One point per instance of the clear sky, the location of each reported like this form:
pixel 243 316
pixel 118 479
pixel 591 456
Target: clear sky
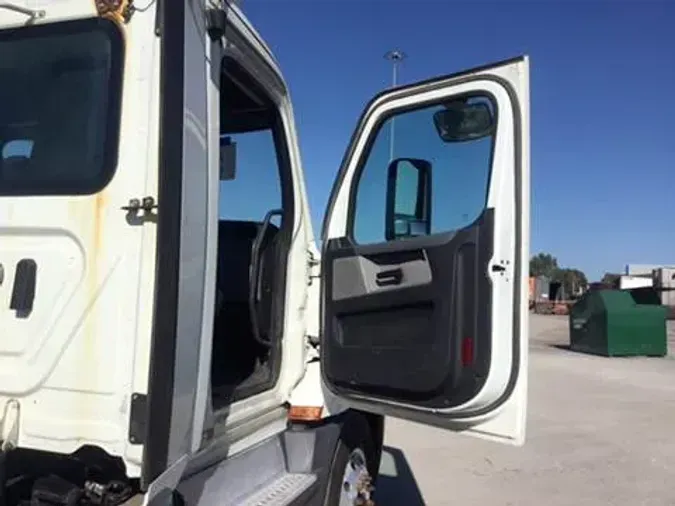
pixel 602 106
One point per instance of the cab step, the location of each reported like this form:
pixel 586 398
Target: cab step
pixel 277 471
pixel 282 491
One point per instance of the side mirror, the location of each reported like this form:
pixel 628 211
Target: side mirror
pixel 463 120
pixel 228 158
pixel 408 212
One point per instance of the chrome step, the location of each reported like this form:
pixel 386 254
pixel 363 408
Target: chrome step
pixel 281 491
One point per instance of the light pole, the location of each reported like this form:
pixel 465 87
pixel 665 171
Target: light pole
pixel 395 57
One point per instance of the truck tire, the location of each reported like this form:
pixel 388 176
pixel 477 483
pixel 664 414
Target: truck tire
pixel 354 465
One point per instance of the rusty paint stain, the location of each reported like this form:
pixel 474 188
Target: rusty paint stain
pixel 94 212
pixel 95 251
pixel 90 221
pixel 119 11
pixel 99 215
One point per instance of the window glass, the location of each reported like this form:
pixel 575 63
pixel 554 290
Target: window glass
pixel 407 186
pixel 256 188
pixel 459 171
pixel 59 107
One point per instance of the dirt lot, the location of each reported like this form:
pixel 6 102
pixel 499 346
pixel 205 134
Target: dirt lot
pixel 600 432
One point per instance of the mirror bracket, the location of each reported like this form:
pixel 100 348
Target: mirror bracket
pixel 228 158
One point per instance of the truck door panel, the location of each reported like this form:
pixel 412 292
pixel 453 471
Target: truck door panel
pixel 424 263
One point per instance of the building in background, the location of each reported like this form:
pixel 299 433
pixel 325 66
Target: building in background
pixel 644 269
pixel 664 282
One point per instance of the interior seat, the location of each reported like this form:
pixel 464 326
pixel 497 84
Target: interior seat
pixel 235 351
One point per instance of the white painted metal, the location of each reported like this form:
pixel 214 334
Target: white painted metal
pixel 73 364
pixel 53 11
pixel 506 423
pixel 311 392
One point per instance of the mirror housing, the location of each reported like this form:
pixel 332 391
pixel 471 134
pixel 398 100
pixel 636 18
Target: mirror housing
pixel 463 120
pixel 408 204
pixel 228 158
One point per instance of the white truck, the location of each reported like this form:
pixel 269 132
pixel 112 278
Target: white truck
pixel 169 335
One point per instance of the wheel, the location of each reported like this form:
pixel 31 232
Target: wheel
pixel 354 465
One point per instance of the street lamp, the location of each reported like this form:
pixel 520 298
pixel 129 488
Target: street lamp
pixel 395 57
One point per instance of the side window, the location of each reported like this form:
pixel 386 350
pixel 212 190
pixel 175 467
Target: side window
pixel 447 147
pixel 59 126
pixel 256 187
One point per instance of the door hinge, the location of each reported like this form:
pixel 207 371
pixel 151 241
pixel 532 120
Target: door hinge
pixel 138 418
pixel 314 267
pixel 146 204
pixel 9 425
pixel 140 211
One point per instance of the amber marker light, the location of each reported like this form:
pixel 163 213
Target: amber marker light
pixel 305 413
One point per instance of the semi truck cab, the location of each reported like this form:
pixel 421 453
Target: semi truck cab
pixel 170 331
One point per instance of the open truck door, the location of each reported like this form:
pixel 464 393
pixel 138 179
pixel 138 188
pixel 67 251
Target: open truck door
pixel 425 255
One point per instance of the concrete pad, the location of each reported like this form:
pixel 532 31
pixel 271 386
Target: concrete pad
pixel 601 431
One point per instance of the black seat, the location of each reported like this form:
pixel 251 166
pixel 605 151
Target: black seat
pixel 235 351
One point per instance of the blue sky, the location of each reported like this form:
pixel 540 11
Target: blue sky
pixel 602 106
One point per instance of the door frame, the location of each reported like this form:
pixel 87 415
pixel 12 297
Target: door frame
pixel 181 269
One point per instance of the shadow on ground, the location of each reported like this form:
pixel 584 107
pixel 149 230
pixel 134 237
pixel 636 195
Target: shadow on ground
pixel 396 483
pixel 569 349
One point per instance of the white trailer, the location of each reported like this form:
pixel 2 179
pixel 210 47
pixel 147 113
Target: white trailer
pixel 170 335
pixel 630 282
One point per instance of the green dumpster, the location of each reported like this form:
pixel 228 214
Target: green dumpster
pixel 612 323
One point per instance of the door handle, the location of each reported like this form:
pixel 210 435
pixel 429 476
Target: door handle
pixel 23 293
pixel 390 277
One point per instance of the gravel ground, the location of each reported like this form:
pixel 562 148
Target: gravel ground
pixel 600 432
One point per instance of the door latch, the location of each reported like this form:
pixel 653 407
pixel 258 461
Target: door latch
pixel 146 204
pixel 501 268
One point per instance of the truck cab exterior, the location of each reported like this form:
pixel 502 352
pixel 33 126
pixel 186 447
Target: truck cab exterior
pixel 170 330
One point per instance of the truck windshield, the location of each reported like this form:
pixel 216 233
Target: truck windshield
pixel 60 96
